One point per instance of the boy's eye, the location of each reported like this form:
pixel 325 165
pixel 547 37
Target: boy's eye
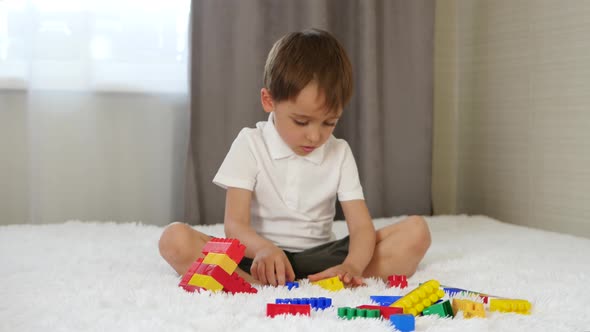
pixel 330 124
pixel 300 123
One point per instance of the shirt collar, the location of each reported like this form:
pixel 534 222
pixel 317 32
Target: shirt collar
pixel 279 149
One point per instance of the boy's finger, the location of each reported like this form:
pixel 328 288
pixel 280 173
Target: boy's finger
pixel 290 272
pixel 270 274
pixel 280 268
pixel 254 270
pixel 261 269
pixel 319 276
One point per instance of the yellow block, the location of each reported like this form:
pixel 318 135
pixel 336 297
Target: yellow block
pixel 206 282
pixel 222 260
pixel 422 297
pixel 469 308
pixel 508 305
pixel 332 284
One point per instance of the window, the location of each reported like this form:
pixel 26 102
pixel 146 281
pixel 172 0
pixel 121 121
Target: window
pixel 94 45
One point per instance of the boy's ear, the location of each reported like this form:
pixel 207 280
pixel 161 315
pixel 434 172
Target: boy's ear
pixel 266 100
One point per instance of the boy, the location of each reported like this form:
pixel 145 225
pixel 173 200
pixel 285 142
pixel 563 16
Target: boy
pixel 283 178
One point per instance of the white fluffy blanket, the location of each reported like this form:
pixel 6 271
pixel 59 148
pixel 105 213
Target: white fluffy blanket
pixel 87 276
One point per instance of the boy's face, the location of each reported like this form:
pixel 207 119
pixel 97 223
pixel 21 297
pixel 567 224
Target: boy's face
pixel 304 124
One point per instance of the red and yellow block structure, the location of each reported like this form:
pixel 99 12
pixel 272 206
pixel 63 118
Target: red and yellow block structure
pixel 216 271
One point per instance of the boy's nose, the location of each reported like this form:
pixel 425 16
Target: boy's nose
pixel 313 136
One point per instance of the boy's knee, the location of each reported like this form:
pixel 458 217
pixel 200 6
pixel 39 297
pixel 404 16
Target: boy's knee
pixel 171 240
pixel 421 234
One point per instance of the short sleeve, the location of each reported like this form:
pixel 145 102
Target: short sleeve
pixel 349 186
pixel 239 168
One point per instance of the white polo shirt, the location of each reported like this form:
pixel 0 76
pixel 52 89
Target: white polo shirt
pixel 293 200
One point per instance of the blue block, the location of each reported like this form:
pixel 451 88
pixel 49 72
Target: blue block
pixel 314 302
pixel 292 284
pixel 404 323
pixel 385 301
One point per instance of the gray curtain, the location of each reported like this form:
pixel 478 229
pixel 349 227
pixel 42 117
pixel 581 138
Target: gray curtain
pixel 388 123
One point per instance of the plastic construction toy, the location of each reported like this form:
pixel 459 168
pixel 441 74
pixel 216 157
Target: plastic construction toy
pixel 350 313
pixel 508 305
pixel 404 323
pixel 292 284
pixel 399 281
pixel 441 308
pixel 317 303
pixel 385 300
pixel 332 284
pixel 216 271
pixel 421 297
pixel 273 309
pixel 469 308
pixel 385 312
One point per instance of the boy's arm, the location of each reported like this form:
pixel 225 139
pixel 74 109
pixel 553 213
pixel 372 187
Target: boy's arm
pixel 270 264
pixel 362 234
pixel 361 245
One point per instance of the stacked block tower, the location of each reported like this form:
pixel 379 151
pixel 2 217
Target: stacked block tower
pixel 216 272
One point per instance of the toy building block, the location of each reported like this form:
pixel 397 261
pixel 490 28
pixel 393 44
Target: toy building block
pixel 509 305
pixel 385 300
pixel 206 282
pixel 399 281
pixel 292 284
pixel 452 291
pixel 441 308
pixel 236 284
pixel 273 309
pixel 350 313
pixel 315 302
pixel 216 271
pixel 332 284
pixel 404 323
pixel 421 297
pixel 470 309
pixel 189 274
pixel 230 247
pixel 222 260
pixel 384 311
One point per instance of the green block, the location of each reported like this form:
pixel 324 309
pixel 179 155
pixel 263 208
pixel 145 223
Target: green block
pixel 350 313
pixel 443 309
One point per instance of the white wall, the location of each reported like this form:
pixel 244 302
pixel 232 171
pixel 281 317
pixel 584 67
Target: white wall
pixel 100 156
pixel 521 98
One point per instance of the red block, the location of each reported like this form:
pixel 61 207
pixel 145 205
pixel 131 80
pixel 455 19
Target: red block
pixel 273 309
pixel 385 311
pixel 189 274
pixel 231 247
pixel 236 284
pixel 398 281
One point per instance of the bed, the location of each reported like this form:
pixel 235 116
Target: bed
pixel 106 276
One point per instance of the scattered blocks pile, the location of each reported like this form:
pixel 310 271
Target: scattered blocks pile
pixel 216 272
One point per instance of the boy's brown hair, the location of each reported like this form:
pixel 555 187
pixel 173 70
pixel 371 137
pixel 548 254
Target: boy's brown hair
pixel 300 57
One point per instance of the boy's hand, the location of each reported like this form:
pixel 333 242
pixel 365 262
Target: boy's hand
pixel 349 275
pixel 271 266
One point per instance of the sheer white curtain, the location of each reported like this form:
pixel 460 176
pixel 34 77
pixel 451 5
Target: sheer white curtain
pixel 93 110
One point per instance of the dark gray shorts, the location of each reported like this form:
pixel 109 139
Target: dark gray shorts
pixel 312 260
